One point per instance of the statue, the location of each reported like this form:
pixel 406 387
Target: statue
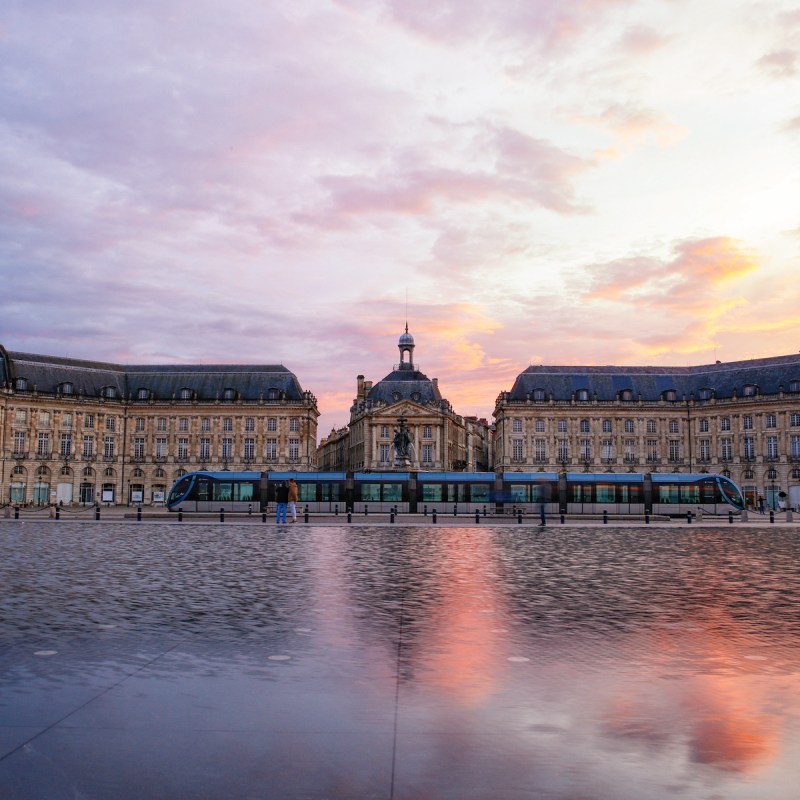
pixel 402 444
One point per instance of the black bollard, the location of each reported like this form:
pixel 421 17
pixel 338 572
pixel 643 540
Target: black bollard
pixel 542 517
pixel 249 508
pixel 58 513
pixel 519 516
pixel 391 516
pixel 264 516
pixel 426 510
pixel 771 516
pixel 97 512
pixel 484 511
pixel 336 509
pixel 222 515
pixel 366 510
pixel 16 512
pixel 605 517
pixel 730 517
pixel 180 514
pixel 433 518
pixel 455 510
pixel 477 517
pixel 349 515
pixel 305 515
pixel 646 517
pixel 562 517
pixel 688 517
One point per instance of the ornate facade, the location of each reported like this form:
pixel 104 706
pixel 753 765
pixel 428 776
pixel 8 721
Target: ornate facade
pixel 440 439
pixel 82 432
pixel 741 419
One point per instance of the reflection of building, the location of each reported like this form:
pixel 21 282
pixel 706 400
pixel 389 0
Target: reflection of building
pixel 741 419
pixel 80 431
pixel 440 438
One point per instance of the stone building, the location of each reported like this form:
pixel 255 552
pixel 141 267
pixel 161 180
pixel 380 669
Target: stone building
pixel 741 419
pixel 440 439
pixel 83 432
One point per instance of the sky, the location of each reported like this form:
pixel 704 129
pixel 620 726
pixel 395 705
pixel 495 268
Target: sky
pixel 522 181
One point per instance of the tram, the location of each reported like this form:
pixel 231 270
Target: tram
pixel 463 492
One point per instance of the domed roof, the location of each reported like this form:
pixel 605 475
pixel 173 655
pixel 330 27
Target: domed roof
pixel 406 338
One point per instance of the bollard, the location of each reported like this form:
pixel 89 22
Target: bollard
pixel 426 510
pixel 688 517
pixel 391 517
pixel 222 515
pixel 605 517
pixel 477 517
pixel 264 516
pixel 366 509
pixel 455 510
pixel 305 515
pixel 771 516
pixel 730 517
pixel 97 512
pixel 336 509
pixel 180 514
pixel 16 512
pixel 249 508
pixel 484 511
pixel 58 513
pixel 519 516
pixel 349 515
pixel 562 517
pixel 646 517
pixel 433 518
pixel 542 516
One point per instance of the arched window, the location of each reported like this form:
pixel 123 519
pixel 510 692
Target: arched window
pixel 749 475
pixel 109 392
pixel 88 472
pixel 159 473
pixel 772 474
pixel 142 394
pixel 109 472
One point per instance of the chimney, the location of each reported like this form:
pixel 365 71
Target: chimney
pixel 359 387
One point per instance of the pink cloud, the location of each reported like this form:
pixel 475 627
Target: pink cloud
pixel 781 63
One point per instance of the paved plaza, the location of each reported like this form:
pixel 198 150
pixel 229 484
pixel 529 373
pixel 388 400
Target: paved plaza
pixel 156 659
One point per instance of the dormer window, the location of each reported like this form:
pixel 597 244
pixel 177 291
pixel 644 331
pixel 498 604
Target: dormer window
pixel 186 394
pixel 705 394
pixel 142 394
pixel 21 384
pixel 582 395
pixel 109 392
pixel 272 394
pixel 794 386
pixel 229 395
pixel 626 395
pixel 749 390
pixel 670 395
pixel 538 395
pixel 65 388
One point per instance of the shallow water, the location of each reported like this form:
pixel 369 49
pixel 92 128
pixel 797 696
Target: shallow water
pixel 242 661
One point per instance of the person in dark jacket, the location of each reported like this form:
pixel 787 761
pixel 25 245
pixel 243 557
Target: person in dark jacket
pixel 281 499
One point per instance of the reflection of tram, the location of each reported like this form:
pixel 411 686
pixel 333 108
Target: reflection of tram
pixel 464 492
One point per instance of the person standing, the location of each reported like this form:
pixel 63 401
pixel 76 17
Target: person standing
pixel 281 499
pixel 293 495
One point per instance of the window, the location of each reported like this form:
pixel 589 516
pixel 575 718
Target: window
pixel 772 447
pixel 227 449
pixel 20 416
pixel 21 384
pixel 138 447
pixel 65 447
pixel 384 432
pixel 142 394
pixel 19 442
pixel 427 454
pixel 538 395
pixel 703 426
pixel 249 424
pixel 540 449
pixel 294 449
pixel 227 424
pixel 652 451
pixel 205 425
pixel 772 421
pixel 43 445
pixel 794 386
pixel 795 447
pixel 747 422
pixel 748 448
pixel 183 424
pixel 108 447
pixel 88 446
pixel 673 426
pixel 272 424
pixel 161 424
pixel 608 450
pixel 584 426
pixel 272 449
pixel 384 453
pixel 272 393
pixel 109 392
pixel 65 388
pixel 652 426
pixel 795 420
pixel 228 395
pixel 562 426
pixel 539 426
pixel 586 449
pixel 670 395
pixel 629 426
pixel 44 419
pixel 88 420
pixel 205 449
pixel 294 424
pixel 563 450
pixel 111 423
pixel 626 395
pixel 607 426
pixel 161 447
pixel 726 449
pixel 516 425
pixel 427 432
pixel 705 394
pixel 249 448
pixel 139 426
pixel 630 451
pixel 725 424
pixel 185 394
pixel 582 395
pixel 748 390
pixel 183 449
pixel 674 450
pixel 516 449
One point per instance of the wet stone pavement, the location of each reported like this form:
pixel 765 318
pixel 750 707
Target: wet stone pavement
pixel 206 661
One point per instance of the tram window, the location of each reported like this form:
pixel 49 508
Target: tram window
pixel 203 490
pixel 392 492
pixel 223 491
pixel 432 492
pixel 540 493
pixel 370 492
pixel 308 492
pixel 668 493
pixel 708 492
pixel 690 493
pixel 480 492
pixel 580 493
pixel 519 492
pixel 457 492
pixel 606 493
pixel 244 491
pixel 330 492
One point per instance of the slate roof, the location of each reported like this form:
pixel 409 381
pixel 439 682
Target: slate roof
pixel 405 384
pixel 561 382
pixel 208 381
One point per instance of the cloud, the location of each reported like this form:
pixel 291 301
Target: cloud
pixel 780 63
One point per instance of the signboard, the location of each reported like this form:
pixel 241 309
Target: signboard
pixel 137 496
pixel 108 495
pixel 158 497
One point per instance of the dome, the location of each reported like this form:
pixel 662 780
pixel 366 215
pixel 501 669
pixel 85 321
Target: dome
pixel 406 339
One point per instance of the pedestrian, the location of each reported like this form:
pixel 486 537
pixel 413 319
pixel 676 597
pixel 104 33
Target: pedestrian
pixel 761 505
pixel 281 499
pixel 293 494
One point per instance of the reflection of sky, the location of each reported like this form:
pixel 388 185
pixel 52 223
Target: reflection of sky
pixel 611 664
